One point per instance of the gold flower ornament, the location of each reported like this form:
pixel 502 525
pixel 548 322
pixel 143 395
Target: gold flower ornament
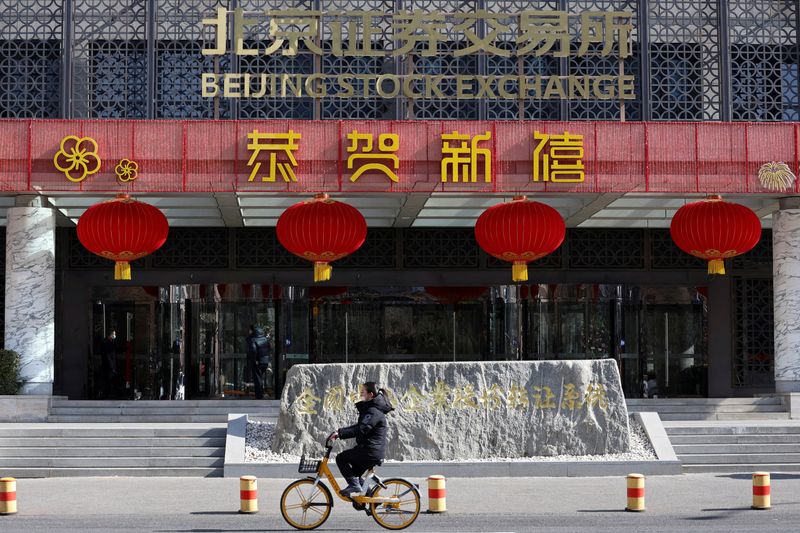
pixel 77 158
pixel 776 176
pixel 127 170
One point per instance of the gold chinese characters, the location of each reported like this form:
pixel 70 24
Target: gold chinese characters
pixel 466 158
pixel 290 32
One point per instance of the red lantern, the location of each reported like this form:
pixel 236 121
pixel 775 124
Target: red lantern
pixel 520 231
pixel 122 230
pixel 454 295
pixel 715 230
pixel 321 230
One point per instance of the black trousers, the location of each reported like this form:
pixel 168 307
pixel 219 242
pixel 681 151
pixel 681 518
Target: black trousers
pixel 258 378
pixel 354 462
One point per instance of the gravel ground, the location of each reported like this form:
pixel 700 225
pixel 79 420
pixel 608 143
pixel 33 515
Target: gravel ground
pixel 259 438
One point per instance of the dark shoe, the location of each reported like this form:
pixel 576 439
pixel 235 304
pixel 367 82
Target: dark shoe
pixel 353 487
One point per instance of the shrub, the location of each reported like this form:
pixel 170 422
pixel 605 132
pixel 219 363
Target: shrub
pixel 9 372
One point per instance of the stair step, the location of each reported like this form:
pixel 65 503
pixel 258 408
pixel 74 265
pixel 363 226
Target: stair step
pixel 678 440
pixel 233 404
pixel 732 468
pixel 745 458
pixel 22 473
pixel 183 411
pixel 766 400
pixel 762 448
pixel 732 430
pixel 709 409
pixel 110 462
pixel 110 431
pixel 96 452
pixel 177 419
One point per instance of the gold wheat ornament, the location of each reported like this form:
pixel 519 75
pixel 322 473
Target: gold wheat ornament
pixel 776 176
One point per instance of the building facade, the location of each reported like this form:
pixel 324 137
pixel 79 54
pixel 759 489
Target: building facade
pixel 672 100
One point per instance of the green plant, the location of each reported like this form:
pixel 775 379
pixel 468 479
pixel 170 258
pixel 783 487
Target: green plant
pixel 9 372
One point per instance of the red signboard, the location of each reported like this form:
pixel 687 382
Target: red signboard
pixel 425 156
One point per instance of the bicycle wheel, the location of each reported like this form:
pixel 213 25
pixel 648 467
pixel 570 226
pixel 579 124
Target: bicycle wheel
pixel 396 515
pixel 305 506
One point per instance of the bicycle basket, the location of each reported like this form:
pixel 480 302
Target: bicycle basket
pixel 308 466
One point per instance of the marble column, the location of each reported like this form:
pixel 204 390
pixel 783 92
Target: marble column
pixel 30 294
pixel 786 290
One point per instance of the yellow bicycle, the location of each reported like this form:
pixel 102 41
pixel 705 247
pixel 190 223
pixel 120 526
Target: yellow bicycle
pixel 306 503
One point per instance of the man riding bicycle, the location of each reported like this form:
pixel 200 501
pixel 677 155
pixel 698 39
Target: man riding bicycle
pixel 370 434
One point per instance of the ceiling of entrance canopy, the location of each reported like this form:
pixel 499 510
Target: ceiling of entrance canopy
pixel 406 210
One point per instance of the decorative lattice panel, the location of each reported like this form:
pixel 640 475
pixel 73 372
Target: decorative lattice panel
pixel 30 58
pixel 760 257
pixel 753 355
pixel 179 60
pixel 440 248
pixel 109 59
pixel 763 49
pixel 665 254
pixel 378 251
pixel 193 248
pixel 81 258
pixel 259 248
pixel 593 63
pixel 684 60
pixel 606 248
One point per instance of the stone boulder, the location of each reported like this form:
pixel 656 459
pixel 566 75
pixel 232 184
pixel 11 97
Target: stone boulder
pixel 470 410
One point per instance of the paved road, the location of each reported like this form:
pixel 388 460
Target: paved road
pixel 700 502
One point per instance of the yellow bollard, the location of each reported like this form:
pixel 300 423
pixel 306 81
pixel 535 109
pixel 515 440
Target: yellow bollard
pixel 248 493
pixel 437 494
pixel 8 495
pixel 761 491
pixel 635 493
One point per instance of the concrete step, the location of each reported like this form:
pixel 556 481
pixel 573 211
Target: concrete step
pixel 677 417
pixel 94 411
pixel 232 404
pixel 110 442
pixel 118 451
pixel 136 419
pixel 679 440
pixel 658 402
pixel 710 409
pixel 111 431
pixel 737 458
pixel 737 468
pixel 732 429
pixel 22 473
pixel 764 447
pixel 110 462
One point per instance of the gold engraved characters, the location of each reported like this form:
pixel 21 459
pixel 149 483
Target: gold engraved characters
pixel 443 397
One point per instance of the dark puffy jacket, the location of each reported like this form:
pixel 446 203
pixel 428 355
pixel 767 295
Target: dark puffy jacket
pixel 258 347
pixel 370 430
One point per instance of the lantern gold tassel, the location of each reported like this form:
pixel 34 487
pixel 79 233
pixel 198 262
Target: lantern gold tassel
pixel 122 270
pixel 716 266
pixel 519 271
pixel 322 271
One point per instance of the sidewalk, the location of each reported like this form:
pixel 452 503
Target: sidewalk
pixel 711 502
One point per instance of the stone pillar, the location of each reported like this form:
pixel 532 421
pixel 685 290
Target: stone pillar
pixel 786 290
pixel 30 294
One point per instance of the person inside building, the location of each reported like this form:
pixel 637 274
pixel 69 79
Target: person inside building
pixel 108 365
pixel 370 434
pixel 258 356
pixel 652 387
pixel 643 386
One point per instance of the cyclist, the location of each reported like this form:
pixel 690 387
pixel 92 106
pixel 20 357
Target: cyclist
pixel 370 434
